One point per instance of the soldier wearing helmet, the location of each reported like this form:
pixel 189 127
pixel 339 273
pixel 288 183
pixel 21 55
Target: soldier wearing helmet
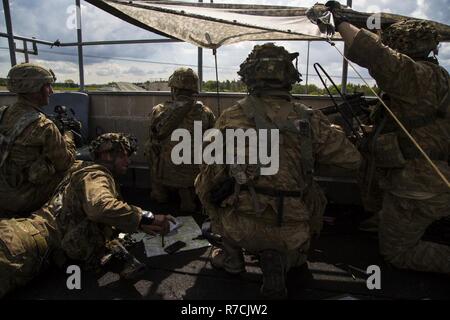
pixel 79 221
pixel 416 89
pixel 180 113
pixel 34 156
pixel 273 216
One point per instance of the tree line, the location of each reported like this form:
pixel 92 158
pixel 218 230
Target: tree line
pixel 232 86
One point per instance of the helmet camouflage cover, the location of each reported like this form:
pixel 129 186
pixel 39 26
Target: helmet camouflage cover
pixel 28 78
pixel 108 142
pixel 415 38
pixel 269 65
pixel 184 78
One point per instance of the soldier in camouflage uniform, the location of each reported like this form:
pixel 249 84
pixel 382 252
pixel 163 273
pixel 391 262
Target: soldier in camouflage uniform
pixel 180 113
pixel 78 222
pixel 416 89
pixel 34 156
pixel 272 215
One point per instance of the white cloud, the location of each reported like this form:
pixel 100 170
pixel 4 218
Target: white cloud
pixel 99 25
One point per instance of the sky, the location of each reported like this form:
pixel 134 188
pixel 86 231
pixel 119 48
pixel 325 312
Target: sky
pixel 48 20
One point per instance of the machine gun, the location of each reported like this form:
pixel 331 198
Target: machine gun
pixel 353 107
pixel 66 122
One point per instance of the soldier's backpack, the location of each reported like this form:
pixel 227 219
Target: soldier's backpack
pixel 7 141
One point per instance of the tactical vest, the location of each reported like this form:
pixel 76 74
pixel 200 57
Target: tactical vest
pixel 175 124
pixel 301 127
pixel 7 142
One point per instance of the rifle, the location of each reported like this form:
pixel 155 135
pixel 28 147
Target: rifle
pixel 66 122
pixel 133 267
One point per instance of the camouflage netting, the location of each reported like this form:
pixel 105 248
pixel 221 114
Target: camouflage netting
pixel 113 142
pixel 269 66
pixel 28 78
pixel 184 78
pixel 415 38
pixel 212 25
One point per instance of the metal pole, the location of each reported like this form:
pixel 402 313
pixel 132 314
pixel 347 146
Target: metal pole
pixel 25 51
pixel 200 64
pixel 80 46
pixel 307 68
pixel 200 69
pixel 34 40
pixel 345 63
pixel 112 42
pixel 9 30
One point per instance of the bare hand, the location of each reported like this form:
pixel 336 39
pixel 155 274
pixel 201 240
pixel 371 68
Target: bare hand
pixel 160 225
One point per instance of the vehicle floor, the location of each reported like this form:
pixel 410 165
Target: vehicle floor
pixel 336 269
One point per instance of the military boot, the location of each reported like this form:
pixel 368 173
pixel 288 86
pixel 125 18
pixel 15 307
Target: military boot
pixel 229 258
pixel 159 193
pixel 187 200
pixel 274 268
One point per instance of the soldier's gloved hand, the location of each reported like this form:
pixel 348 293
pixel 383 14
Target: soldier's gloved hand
pixel 321 15
pixel 160 224
pixel 338 13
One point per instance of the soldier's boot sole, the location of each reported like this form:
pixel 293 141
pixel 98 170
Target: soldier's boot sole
pixel 273 266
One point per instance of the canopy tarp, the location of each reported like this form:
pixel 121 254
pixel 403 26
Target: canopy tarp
pixel 211 25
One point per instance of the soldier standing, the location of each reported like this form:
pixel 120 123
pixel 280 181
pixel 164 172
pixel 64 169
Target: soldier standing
pixel 77 223
pixel 180 113
pixel 34 156
pixel 416 89
pixel 272 215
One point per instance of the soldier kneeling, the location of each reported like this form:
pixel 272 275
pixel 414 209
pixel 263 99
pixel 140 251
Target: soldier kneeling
pixel 85 213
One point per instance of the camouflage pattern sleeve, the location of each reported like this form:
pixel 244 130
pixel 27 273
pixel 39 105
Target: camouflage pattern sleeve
pixel 385 65
pixel 102 203
pixel 60 150
pixel 330 144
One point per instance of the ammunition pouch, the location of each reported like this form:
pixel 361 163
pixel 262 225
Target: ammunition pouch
pixel 36 234
pixel 279 195
pixel 227 188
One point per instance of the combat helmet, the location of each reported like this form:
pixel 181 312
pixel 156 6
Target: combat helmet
pixel 270 66
pixel 184 78
pixel 415 38
pixel 113 142
pixel 28 78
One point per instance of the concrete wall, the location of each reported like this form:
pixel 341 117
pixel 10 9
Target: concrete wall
pixel 128 111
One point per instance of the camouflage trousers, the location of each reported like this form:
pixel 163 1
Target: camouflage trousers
pixel 23 249
pixel 291 241
pixel 403 222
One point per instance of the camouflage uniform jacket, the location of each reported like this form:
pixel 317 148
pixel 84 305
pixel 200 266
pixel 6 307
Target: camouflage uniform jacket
pixel 416 89
pixel 302 215
pixel 36 163
pixel 88 209
pixel 165 118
